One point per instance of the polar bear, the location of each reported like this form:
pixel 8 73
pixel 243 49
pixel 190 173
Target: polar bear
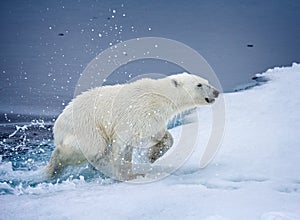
pixel 103 125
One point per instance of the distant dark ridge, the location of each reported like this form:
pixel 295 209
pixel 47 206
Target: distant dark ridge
pixel 7 118
pixel 258 80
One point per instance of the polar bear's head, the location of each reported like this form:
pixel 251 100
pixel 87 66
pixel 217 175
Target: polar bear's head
pixel 194 89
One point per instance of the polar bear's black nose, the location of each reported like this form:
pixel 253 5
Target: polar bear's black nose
pixel 216 93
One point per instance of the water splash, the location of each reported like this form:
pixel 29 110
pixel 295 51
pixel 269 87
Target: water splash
pixel 39 123
pixel 26 146
pixel 25 149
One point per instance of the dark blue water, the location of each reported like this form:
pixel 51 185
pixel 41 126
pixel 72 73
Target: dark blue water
pixel 24 148
pixel 26 145
pixel 45 45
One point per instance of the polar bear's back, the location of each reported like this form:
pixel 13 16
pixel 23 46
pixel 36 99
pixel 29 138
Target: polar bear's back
pixel 126 111
pixel 78 118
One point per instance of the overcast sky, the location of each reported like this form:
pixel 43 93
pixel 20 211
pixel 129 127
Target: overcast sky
pixel 45 45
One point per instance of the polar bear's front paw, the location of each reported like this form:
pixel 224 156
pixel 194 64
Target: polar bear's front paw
pixel 139 175
pixel 135 177
pixel 158 150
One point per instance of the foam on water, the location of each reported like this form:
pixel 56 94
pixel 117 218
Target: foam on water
pixel 34 182
pixel 18 182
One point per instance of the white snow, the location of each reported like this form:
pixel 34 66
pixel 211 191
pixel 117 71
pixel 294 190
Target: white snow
pixel 255 175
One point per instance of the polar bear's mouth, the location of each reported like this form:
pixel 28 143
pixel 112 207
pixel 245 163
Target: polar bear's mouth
pixel 209 100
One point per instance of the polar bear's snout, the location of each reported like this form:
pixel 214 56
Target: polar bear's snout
pixel 216 93
pixel 211 94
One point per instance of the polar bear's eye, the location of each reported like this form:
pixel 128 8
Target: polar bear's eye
pixel 199 85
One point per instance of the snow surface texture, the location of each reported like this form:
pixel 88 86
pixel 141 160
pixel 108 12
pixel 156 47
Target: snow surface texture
pixel 254 176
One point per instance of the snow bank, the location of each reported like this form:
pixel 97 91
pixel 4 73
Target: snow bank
pixel 254 176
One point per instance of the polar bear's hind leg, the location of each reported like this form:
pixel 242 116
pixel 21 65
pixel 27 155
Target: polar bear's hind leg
pixel 55 165
pixel 61 157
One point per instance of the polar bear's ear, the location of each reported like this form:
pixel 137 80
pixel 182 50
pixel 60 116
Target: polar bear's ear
pixel 175 82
